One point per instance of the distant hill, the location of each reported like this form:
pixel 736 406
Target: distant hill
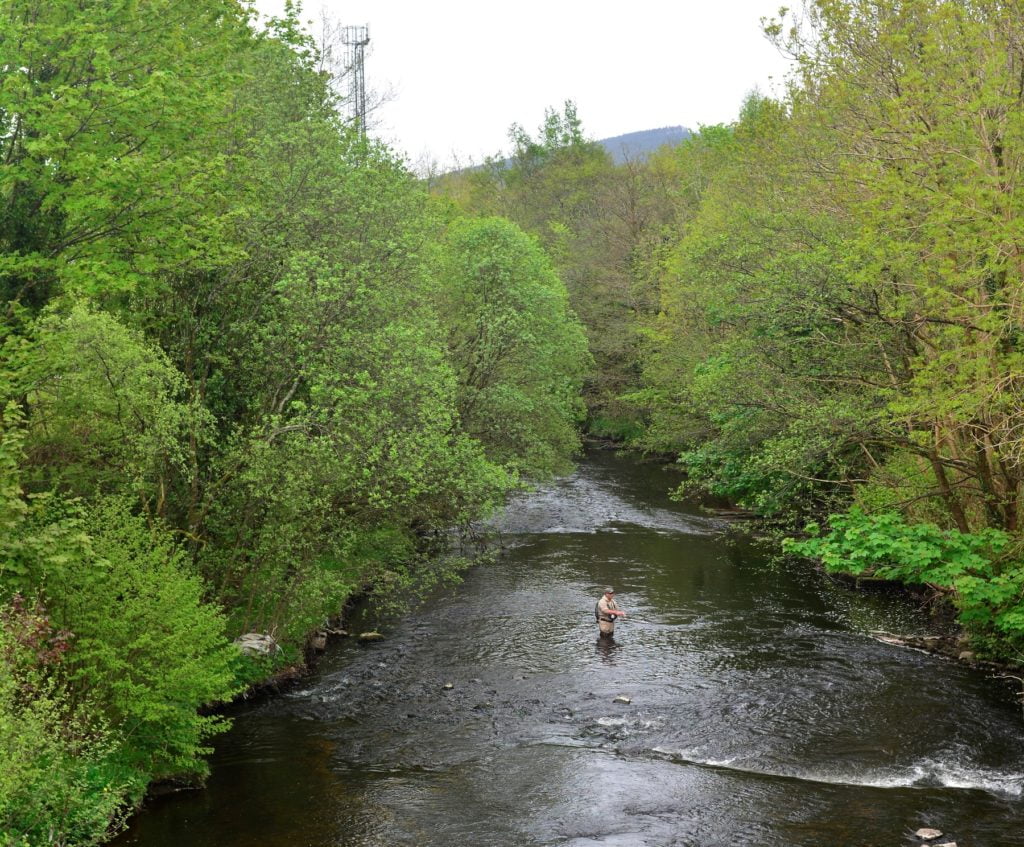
pixel 639 145
pixel 632 145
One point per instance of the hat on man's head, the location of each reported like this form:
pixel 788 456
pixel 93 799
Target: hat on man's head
pixel 609 590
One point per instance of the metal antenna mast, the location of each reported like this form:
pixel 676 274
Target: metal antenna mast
pixel 355 39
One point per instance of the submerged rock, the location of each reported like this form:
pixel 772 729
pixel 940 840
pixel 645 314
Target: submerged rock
pixel 622 698
pixel 928 833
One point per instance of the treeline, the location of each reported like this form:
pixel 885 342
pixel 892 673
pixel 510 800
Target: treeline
pixel 248 367
pixel 819 308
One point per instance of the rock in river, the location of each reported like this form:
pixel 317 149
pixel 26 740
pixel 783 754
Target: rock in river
pixel 370 636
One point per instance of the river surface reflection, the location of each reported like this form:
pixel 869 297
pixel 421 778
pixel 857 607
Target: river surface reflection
pixel 760 710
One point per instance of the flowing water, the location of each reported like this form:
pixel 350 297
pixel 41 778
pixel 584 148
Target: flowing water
pixel 760 709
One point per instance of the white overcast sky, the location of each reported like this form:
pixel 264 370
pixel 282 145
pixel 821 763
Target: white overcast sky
pixel 460 73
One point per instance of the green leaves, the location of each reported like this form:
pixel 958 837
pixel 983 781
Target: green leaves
pixel 107 402
pixel 838 306
pixel 986 586
pixel 144 652
pixel 518 351
pixel 59 784
pixel 113 144
pixel 235 364
pixel 147 648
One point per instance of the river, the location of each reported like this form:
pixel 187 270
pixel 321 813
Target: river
pixel 760 712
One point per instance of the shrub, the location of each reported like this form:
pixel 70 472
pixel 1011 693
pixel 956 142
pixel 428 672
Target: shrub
pixel 58 783
pixel 975 569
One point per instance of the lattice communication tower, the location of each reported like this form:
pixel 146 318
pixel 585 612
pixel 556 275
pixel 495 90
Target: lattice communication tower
pixel 355 39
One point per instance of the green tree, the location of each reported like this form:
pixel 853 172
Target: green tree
pixel 107 114
pixel 145 651
pixel 597 222
pixel 518 350
pixel 107 410
pixel 757 369
pixel 924 158
pixel 227 362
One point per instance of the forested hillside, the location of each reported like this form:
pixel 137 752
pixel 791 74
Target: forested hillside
pixel 817 308
pixel 249 369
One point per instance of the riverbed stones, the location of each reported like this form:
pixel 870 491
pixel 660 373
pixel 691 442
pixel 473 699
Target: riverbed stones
pixel 928 833
pixel 367 637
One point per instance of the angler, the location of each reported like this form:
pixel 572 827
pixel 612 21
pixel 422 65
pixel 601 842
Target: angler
pixel 606 611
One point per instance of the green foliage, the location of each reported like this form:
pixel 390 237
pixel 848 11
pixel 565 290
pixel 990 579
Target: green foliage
pixel 58 784
pixel 107 123
pixel 146 652
pixel 923 158
pixel 626 430
pixel 240 372
pixel 108 410
pixel 887 547
pixel 354 427
pixel 147 649
pixel 837 315
pixel 594 220
pixel 903 483
pixel 748 379
pixel 518 351
pixel 986 585
pixel 560 131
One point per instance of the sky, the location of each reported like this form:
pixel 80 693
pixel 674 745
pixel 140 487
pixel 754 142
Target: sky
pixel 455 75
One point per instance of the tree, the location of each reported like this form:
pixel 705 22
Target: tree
pixel 144 651
pixel 107 411
pixel 518 350
pixel 107 112
pixel 927 162
pixel 593 220
pixel 58 784
pixel 756 371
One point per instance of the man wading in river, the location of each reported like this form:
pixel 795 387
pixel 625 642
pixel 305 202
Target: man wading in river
pixel 606 611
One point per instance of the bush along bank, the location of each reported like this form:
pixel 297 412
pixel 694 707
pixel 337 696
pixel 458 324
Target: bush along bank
pixel 114 663
pixel 979 573
pixel 144 527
